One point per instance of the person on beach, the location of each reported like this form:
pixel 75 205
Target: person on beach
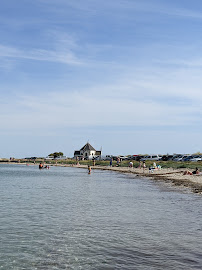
pixel 151 169
pixel 131 164
pixel 140 164
pixel 77 161
pixel 187 172
pixel 196 171
pixel 110 163
pixel 159 167
pixel 144 165
pixel 89 169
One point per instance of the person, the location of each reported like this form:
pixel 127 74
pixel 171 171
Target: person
pixel 144 165
pixel 89 169
pixel 151 169
pixel 187 172
pixel 131 164
pixel 110 163
pixel 159 167
pixel 40 166
pixel 140 164
pixel 196 171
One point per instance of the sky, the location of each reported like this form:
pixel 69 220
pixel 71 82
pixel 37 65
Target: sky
pixel 124 75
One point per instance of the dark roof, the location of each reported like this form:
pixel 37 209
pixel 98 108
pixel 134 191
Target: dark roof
pixel 87 147
pixel 76 152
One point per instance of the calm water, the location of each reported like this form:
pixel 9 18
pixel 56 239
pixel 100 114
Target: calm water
pixel 63 218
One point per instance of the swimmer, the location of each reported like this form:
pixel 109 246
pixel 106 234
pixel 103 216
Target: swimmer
pixel 89 169
pixel 40 166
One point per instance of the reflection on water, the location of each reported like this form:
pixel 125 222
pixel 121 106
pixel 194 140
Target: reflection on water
pixel 63 218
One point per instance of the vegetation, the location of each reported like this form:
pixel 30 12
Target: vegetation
pixel 163 164
pixel 56 154
pixel 197 153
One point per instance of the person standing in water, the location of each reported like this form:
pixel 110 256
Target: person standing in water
pixel 89 169
pixel 40 166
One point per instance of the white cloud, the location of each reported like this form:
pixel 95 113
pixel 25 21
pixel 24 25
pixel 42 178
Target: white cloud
pixel 132 104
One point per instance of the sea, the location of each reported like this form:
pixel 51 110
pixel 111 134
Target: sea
pixel 64 218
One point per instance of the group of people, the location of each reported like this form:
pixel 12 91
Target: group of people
pixel 41 166
pixel 142 164
pixel 154 167
pixel 118 161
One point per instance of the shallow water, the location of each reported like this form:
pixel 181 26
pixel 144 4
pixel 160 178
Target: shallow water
pixel 63 218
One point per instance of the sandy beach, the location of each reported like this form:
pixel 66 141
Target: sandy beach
pixel 174 176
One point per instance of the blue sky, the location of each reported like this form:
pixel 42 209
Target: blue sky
pixel 125 75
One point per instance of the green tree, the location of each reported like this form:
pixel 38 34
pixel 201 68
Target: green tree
pixel 56 154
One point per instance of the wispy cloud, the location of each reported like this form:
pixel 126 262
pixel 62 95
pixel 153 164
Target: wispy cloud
pixel 127 103
pixel 65 57
pixel 123 65
pixel 122 6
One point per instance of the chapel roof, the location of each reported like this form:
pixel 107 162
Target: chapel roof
pixel 87 147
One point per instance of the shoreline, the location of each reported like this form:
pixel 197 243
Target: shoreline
pixel 169 175
pixel 174 176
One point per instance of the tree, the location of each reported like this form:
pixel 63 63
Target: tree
pixel 56 154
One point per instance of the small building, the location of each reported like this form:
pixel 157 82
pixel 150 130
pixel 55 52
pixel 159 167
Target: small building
pixel 87 152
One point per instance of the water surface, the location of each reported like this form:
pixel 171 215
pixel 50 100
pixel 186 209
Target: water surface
pixel 63 218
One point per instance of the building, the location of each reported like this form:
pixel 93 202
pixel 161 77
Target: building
pixel 87 152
